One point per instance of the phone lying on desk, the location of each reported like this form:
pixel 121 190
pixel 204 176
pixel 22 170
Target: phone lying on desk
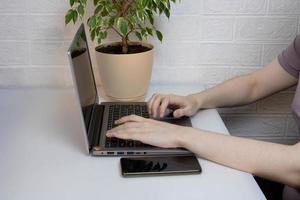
pixel 162 165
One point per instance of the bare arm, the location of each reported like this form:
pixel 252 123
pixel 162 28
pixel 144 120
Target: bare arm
pixel 269 160
pixel 247 88
pixel 273 161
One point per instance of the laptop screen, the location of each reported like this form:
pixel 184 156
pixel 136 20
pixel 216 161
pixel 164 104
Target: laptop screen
pixel 83 74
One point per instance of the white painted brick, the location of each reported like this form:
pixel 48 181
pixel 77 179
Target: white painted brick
pixel 188 75
pixel 11 76
pixel 229 54
pixel 212 75
pixel 235 6
pixel 14 27
pixel 271 51
pixel 277 103
pixel 48 53
pixel 13 6
pixel 187 7
pixel 255 125
pixel 46 6
pixel 284 7
pixel 174 75
pixel 46 27
pixel 179 27
pixel 292 127
pixel 217 28
pixel 14 53
pixel 176 53
pixel 266 28
pixel 68 77
pixel 45 76
pixel 234 72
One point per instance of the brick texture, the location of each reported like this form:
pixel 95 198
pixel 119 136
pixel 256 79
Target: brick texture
pixel 205 41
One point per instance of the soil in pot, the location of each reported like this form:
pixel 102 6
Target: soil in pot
pixel 117 49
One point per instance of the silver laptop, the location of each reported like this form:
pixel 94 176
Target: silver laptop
pixel 98 117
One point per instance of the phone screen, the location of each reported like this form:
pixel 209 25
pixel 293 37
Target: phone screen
pixel 160 165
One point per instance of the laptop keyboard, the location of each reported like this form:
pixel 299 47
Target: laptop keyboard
pixel 118 111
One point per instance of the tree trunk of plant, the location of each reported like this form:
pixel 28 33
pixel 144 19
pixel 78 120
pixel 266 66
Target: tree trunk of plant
pixel 125 45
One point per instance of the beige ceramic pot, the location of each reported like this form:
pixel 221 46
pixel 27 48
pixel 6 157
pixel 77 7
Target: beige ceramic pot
pixel 125 77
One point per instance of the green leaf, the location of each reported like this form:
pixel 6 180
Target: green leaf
pixel 99 40
pixel 92 22
pixel 167 13
pixel 72 2
pixel 144 32
pixel 150 16
pixel 144 3
pixel 159 35
pixel 83 2
pixel 103 35
pixel 69 16
pixel 95 2
pixel 138 35
pixel 111 21
pixel 149 30
pixel 98 9
pixel 75 16
pixel 122 25
pixel 80 10
pixel 93 33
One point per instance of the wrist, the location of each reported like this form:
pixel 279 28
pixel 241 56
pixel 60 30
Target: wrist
pixel 197 100
pixel 185 137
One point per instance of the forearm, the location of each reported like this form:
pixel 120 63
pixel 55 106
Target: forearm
pixel 237 91
pixel 247 88
pixel 273 161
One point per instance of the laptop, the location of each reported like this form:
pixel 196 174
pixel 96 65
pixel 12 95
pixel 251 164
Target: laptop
pixel 98 117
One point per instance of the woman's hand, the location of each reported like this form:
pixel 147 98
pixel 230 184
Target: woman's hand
pixel 149 131
pixel 182 105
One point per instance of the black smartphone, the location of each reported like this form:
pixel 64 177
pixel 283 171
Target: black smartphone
pixel 163 165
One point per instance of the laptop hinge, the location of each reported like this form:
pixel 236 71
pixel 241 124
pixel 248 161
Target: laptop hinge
pixel 95 126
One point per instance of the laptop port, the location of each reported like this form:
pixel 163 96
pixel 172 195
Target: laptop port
pixel 130 153
pixel 110 153
pixel 120 153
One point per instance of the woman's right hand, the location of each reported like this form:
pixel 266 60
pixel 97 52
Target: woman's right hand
pixel 181 105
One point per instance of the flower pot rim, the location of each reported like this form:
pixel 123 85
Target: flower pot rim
pixel 130 42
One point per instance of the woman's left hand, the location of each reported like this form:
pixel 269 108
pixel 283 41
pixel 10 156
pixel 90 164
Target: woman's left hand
pixel 148 131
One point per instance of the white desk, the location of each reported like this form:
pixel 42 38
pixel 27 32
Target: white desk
pixel 42 156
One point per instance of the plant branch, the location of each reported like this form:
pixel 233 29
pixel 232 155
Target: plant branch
pixel 117 32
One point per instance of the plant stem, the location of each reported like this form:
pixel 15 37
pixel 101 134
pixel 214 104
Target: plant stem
pixel 125 45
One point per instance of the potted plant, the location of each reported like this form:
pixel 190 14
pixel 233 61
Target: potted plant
pixel 125 67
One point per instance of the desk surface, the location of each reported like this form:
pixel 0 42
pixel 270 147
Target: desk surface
pixel 43 156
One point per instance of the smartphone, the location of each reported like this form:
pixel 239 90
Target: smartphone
pixel 163 165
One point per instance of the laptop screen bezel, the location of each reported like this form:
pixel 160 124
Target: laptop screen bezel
pixel 81 30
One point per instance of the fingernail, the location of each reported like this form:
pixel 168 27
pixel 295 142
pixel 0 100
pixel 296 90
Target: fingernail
pixel 108 133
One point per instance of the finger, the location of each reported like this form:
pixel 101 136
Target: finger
pixel 163 106
pixel 150 102
pixel 122 134
pixel 155 105
pixel 125 126
pixel 179 113
pixel 130 118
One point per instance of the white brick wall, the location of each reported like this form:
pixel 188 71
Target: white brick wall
pixel 205 41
